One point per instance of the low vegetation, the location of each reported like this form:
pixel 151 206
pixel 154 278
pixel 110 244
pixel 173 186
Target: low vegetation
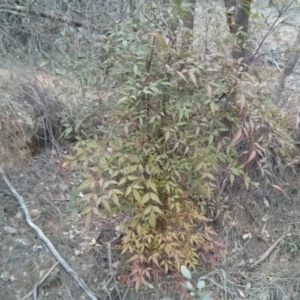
pixel 185 126
pixel 171 130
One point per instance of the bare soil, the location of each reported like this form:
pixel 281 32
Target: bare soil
pixel 259 218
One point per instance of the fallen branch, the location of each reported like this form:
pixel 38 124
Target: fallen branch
pixel 288 68
pixel 111 271
pixel 24 11
pixel 49 244
pixel 40 281
pixel 270 250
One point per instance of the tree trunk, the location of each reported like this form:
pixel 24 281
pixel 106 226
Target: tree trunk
pixel 188 18
pixel 237 15
pixel 287 69
pixel 240 28
pixel 229 5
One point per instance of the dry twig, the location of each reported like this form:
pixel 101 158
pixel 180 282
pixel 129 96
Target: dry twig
pixel 111 272
pixel 49 244
pixel 40 281
pixel 270 250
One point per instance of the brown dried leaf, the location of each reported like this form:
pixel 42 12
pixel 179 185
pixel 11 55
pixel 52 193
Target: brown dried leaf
pixel 181 75
pixel 241 102
pixel 161 40
pixel 297 121
pixel 88 220
pixel 169 68
pixel 208 88
pixel 246 131
pixel 193 77
pixel 277 188
pixel 251 156
pixel 252 126
pixel 236 137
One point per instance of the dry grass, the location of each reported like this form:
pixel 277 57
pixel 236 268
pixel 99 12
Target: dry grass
pixel 29 119
pixel 47 189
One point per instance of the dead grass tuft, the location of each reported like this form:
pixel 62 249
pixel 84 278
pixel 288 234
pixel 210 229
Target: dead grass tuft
pixel 29 120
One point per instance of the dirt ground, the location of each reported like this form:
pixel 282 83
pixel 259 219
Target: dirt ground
pixel 259 218
pixel 47 191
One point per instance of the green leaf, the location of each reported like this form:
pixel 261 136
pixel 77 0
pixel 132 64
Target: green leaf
pixel 180 114
pixel 96 212
pixel 136 195
pixel 148 210
pixel 182 76
pixel 193 77
pixel 70 157
pixel 167 187
pixel 146 91
pixel 115 173
pixel 106 205
pixel 86 210
pixel 158 210
pixel 152 219
pixel 136 186
pixel 186 150
pixel 167 135
pixel 185 272
pixel 235 171
pixel 155 197
pixel 205 296
pixel 122 180
pixel 98 201
pixel 126 130
pixel 106 184
pixel 146 198
pixel 154 89
pixel 153 186
pixel 132 177
pixel 124 43
pixel 199 166
pixel 200 284
pixel 100 182
pixel 187 114
pixel 123 99
pixel 87 196
pixel 67 132
pixel 188 286
pixel 231 179
pixel 213 106
pixel 128 191
pixel 176 146
pixel 86 184
pixel 135 69
pixel 116 200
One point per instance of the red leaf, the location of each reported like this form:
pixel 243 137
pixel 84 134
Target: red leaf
pixel 219 244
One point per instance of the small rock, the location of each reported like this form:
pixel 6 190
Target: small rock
pixel 10 229
pixel 34 213
pixel 19 215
